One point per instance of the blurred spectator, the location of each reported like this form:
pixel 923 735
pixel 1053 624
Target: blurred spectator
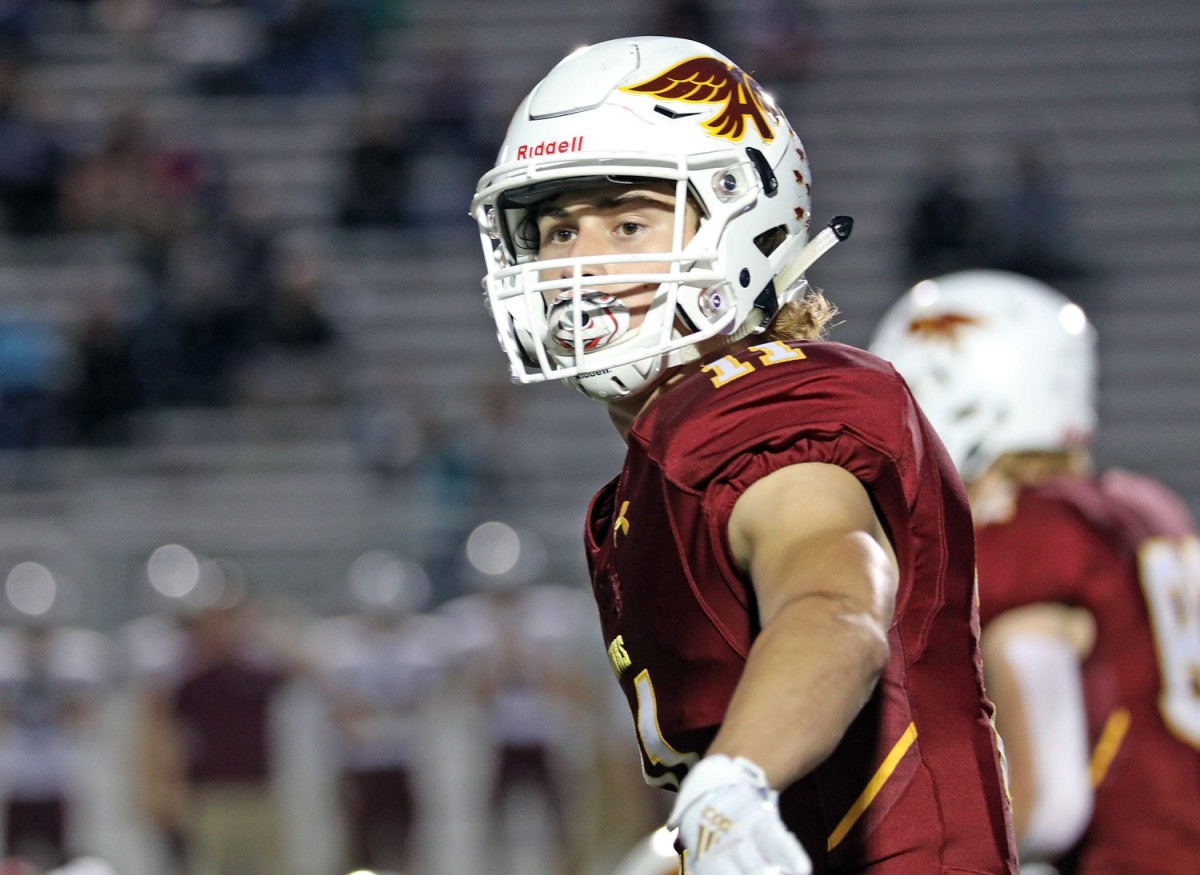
pixel 33 369
pixel 296 321
pixel 469 474
pixel 32 161
pixel 211 304
pixel 942 231
pixel 1031 228
pixel 311 46
pixel 784 44
pixel 51 679
pixel 141 20
pixel 388 436
pixel 444 138
pixel 103 390
pixel 218 721
pixel 215 42
pixel 297 358
pixel 16 21
pixel 275 47
pixel 212 322
pixel 133 181
pixel 377 173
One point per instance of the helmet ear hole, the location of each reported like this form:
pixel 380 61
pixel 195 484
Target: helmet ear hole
pixel 771 239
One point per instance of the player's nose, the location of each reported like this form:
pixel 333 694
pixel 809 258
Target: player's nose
pixel 587 242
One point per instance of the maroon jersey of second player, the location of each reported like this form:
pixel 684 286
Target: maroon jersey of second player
pixel 1126 549
pixel 915 784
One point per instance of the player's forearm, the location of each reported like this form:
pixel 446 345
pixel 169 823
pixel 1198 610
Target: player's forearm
pixel 808 675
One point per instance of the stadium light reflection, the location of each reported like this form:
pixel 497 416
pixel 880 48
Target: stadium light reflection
pixel 496 549
pixel 31 588
pixel 173 570
pixel 381 579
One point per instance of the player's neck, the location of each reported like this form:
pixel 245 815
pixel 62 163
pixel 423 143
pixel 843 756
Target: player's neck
pixel 624 412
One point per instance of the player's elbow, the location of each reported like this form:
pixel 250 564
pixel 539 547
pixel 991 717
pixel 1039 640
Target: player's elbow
pixel 868 632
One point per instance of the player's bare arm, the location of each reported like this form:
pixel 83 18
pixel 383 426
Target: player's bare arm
pixel 1032 658
pixel 825 578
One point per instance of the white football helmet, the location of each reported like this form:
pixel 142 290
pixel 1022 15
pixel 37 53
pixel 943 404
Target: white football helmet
pixel 999 363
pixel 629 110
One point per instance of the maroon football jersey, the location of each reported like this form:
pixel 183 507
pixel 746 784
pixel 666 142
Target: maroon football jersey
pixel 1126 549
pixel 916 784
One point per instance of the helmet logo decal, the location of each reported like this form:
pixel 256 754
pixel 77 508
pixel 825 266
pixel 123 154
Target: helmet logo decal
pixel 708 80
pixel 944 326
pixel 551 147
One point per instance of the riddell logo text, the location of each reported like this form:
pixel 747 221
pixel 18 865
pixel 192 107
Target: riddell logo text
pixel 553 147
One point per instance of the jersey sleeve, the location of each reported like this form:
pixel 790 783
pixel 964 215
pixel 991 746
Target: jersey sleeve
pixel 834 405
pixel 839 407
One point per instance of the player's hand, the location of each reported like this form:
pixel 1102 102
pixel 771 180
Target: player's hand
pixel 729 824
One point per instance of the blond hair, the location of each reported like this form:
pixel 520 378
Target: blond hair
pixel 806 319
pixel 1028 467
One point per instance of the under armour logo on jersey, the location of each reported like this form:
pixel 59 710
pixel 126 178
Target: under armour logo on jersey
pixel 618 656
pixel 621 523
pixel 708 80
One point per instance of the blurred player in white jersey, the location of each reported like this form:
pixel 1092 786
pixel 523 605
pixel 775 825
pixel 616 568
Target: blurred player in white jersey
pixel 51 681
pixel 379 666
pixel 529 664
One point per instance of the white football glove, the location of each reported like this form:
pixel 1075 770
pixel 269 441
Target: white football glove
pixel 728 820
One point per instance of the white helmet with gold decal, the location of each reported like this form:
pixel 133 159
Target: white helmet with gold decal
pixel 630 110
pixel 999 362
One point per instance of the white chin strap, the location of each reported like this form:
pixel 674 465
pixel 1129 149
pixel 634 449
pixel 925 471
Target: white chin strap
pixel 835 232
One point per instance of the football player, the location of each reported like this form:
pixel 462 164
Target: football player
pixel 1089 581
pixel 379 670
pixel 784 566
pixel 527 675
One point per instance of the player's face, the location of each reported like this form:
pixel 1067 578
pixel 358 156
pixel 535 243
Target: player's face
pixel 613 221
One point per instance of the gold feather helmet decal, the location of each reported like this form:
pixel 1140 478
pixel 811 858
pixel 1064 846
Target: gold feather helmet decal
pixel 709 80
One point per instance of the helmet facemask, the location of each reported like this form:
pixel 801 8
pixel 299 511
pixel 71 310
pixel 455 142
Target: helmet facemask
pixel 565 321
pixel 555 318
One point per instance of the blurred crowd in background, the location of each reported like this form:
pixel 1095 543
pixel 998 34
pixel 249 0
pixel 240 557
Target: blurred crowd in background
pixel 223 283
pixel 453 716
pixel 225 733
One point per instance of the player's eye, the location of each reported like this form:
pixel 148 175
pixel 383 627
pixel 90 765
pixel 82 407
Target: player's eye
pixel 557 235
